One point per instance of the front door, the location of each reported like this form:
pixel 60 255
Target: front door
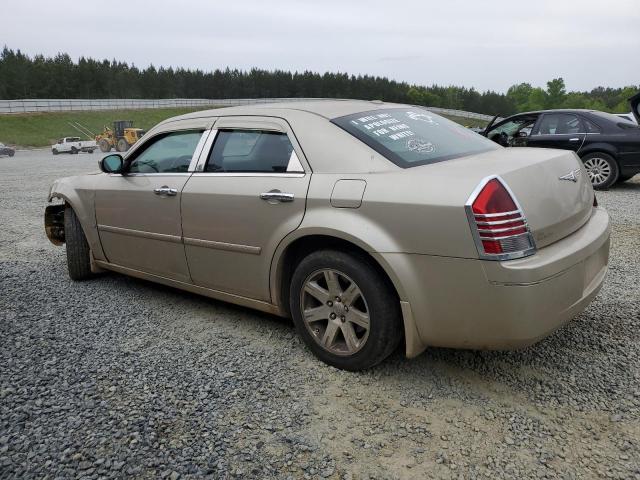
pixel 558 130
pixel 241 203
pixel 138 213
pixel 512 132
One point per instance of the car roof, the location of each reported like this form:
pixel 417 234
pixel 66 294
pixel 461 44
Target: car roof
pixel 555 110
pixel 327 108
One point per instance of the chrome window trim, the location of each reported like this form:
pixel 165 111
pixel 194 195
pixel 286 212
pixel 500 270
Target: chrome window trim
pixel 198 151
pixel 560 134
pixel 294 165
pixel 477 238
pixel 249 174
pixel 139 145
pixel 206 149
pixel 208 145
pixel 159 174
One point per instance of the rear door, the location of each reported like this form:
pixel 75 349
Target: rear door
pixel 558 130
pixel 246 195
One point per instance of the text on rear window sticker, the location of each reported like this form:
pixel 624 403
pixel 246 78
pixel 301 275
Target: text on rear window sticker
pixel 384 125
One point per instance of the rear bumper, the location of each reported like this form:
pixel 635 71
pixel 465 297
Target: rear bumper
pixel 465 303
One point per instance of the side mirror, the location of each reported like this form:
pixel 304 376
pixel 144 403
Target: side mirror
pixel 111 163
pixel 522 134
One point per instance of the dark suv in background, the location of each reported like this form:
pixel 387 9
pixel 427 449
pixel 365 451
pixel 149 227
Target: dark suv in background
pixel 608 145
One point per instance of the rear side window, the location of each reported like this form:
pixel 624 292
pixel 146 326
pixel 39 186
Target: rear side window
pixel 413 136
pixel 591 127
pixel 250 151
pixel 560 124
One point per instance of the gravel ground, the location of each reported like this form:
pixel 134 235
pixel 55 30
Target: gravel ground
pixel 120 377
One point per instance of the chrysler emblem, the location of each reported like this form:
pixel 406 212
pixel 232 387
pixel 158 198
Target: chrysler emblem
pixel 572 176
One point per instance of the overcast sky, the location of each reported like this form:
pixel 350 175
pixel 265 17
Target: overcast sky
pixel 483 44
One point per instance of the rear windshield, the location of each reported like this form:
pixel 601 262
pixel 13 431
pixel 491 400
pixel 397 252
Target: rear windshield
pixel 613 118
pixel 413 136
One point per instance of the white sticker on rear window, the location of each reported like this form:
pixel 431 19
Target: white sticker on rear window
pixel 423 117
pixel 420 145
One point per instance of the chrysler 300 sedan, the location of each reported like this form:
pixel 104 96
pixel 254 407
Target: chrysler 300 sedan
pixel 369 224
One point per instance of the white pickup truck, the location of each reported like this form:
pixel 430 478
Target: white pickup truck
pixel 73 145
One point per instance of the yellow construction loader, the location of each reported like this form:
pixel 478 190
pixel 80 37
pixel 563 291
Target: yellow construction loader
pixel 120 137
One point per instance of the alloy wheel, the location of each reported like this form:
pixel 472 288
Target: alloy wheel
pixel 335 312
pixel 598 170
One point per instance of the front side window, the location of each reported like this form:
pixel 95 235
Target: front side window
pixel 167 153
pixel 560 124
pixel 412 136
pixel 251 151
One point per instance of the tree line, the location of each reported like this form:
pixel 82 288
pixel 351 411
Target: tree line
pixel 24 76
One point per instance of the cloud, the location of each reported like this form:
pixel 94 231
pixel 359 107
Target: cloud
pixel 487 45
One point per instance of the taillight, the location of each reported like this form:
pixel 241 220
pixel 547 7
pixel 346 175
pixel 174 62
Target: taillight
pixel 497 222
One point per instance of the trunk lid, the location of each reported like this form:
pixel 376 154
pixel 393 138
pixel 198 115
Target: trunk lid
pixel 551 186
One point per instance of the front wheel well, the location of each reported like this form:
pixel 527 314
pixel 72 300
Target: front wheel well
pixel 54 223
pixel 303 246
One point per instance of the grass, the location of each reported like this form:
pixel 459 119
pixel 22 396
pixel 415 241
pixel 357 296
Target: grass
pixel 43 129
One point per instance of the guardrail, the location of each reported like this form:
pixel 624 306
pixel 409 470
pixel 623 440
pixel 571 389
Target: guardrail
pixel 70 105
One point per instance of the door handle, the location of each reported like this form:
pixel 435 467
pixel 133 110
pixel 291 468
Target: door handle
pixel 574 139
pixel 164 190
pixel 276 196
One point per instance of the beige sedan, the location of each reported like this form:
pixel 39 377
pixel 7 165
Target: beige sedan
pixel 370 224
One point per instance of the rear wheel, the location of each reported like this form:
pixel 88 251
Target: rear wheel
pixel 602 169
pixel 105 146
pixel 344 309
pixel 12 153
pixel 123 145
pixel 78 252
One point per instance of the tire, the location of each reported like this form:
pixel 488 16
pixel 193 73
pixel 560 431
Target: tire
pixel 54 151
pixel 602 169
pixel 74 151
pixel 90 150
pixel 122 145
pixel 105 146
pixel 78 252
pixel 374 301
pixel 11 154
